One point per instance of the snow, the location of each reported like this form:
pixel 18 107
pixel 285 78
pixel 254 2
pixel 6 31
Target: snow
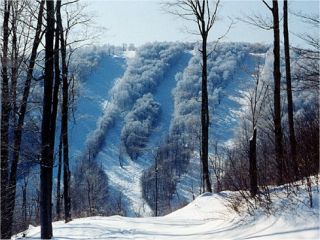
pixel 189 183
pixel 126 179
pixel 207 217
pixel 130 53
pixel 101 116
pixel 262 55
pixel 93 94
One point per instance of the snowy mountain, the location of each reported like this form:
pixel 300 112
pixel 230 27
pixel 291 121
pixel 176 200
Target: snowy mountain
pixel 207 217
pixel 131 101
pixel 194 138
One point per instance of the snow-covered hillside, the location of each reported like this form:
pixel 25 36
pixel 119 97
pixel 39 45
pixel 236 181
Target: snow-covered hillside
pixel 207 217
pixel 114 125
pixel 97 78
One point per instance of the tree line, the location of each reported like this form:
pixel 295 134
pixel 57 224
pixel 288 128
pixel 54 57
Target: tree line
pixel 35 57
pixel 271 146
pixel 37 87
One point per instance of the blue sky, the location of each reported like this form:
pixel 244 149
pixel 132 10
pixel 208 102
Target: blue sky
pixel 138 22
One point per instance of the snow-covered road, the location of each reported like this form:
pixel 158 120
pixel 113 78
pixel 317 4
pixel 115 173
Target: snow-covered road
pixel 207 217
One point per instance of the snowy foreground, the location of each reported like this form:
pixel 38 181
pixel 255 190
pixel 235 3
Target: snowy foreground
pixel 207 217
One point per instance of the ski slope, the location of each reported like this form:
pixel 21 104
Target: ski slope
pixel 105 99
pixel 125 177
pixel 92 94
pixel 207 217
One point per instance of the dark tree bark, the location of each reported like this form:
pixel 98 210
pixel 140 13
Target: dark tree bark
pixel 46 150
pixel 156 173
pixel 253 164
pixel 14 66
pixel 24 203
pixel 204 16
pixel 58 204
pixel 5 114
pixel 21 116
pixel 66 169
pixel 55 96
pixel 64 119
pixel 205 114
pixel 55 99
pixel 292 137
pixel 277 96
pixel 277 82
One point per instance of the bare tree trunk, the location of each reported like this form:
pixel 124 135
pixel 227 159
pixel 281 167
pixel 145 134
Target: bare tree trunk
pixel 64 120
pixel 24 203
pixel 55 96
pixel 55 107
pixel 205 115
pixel 253 164
pixel 14 66
pixel 58 204
pixel 22 112
pixel 293 143
pixel 66 170
pixel 156 172
pixel 46 150
pixel 89 196
pixel 5 114
pixel 277 96
pixel 205 17
pixel 309 189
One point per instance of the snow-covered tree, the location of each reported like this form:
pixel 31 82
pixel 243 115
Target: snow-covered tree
pixel 139 125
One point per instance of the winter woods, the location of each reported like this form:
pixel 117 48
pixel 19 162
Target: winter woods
pixel 90 130
pixel 35 59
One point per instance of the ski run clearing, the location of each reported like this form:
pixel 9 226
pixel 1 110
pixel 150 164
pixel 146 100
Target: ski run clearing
pixel 207 217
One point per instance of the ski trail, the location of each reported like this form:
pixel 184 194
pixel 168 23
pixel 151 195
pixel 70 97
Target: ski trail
pixel 92 94
pixel 126 177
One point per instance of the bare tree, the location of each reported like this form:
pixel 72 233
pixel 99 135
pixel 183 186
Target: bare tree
pixel 89 188
pixel 58 203
pixel 55 95
pixel 218 167
pixel 204 15
pixel 277 97
pixel 5 113
pixel 292 137
pixel 256 100
pixel 64 120
pixel 74 17
pixel 307 69
pixel 311 39
pixel 253 164
pixel 262 23
pixel 156 173
pixel 19 112
pixel 46 150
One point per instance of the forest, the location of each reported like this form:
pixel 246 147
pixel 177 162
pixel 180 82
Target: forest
pixel 124 138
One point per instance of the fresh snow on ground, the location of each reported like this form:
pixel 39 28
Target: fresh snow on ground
pixel 225 118
pixel 130 53
pixel 207 217
pixel 189 183
pixel 92 94
pixel 99 117
pixel 125 180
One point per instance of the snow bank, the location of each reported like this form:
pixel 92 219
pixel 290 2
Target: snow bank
pixel 207 217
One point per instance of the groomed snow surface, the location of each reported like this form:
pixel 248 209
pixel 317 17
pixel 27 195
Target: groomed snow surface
pixel 207 217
